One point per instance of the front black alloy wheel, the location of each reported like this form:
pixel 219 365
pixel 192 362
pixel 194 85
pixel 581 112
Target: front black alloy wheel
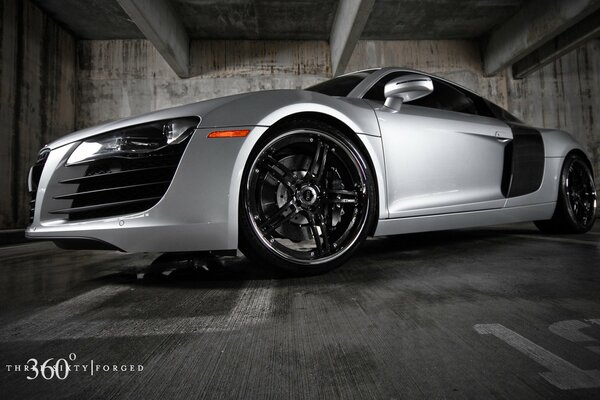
pixel 307 198
pixel 576 203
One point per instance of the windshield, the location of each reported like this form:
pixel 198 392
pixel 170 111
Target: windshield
pixel 342 85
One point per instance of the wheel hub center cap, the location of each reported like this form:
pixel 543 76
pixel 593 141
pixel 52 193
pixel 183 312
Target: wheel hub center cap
pixel 307 195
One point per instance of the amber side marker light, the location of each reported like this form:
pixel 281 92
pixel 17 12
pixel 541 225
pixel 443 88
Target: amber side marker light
pixel 228 134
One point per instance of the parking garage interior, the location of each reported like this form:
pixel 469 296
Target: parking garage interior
pixel 494 312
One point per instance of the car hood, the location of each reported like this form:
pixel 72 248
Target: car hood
pixel 249 109
pixel 198 109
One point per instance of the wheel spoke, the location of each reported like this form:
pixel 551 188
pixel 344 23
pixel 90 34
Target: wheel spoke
pixel 317 166
pixel 279 171
pixel 277 219
pixel 321 240
pixel 320 220
pixel 268 220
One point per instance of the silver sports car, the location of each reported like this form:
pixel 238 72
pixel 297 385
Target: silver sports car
pixel 298 179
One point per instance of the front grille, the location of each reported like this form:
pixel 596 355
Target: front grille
pixel 36 174
pixel 119 185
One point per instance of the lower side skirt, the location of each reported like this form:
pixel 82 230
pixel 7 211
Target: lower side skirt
pixel 465 219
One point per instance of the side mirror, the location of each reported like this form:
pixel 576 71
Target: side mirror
pixel 406 88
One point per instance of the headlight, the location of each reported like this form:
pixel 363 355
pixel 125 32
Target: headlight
pixel 135 140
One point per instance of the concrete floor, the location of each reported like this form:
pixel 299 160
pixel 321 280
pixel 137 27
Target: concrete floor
pixel 501 312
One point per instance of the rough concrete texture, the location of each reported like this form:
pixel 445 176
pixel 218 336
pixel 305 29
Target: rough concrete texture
pixel 349 24
pixel 564 94
pixel 264 19
pixel 537 22
pixel 37 87
pixel 405 318
pixel 91 19
pixel 159 22
pixel 122 78
pixel 436 19
pixel 290 19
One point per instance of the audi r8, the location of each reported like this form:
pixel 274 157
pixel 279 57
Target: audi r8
pixel 298 179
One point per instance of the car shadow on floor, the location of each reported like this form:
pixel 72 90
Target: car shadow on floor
pixel 205 270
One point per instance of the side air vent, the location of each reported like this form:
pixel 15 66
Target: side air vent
pixel 119 172
pixel 120 185
pixel 36 174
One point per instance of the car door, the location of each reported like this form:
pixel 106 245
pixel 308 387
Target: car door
pixel 443 154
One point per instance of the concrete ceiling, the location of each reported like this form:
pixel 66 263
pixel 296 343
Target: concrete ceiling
pixel 91 19
pixel 436 19
pixel 257 19
pixel 524 34
pixel 290 19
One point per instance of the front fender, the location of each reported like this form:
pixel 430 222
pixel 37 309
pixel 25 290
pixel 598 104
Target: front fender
pixel 266 108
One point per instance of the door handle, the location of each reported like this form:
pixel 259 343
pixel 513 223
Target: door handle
pixel 503 137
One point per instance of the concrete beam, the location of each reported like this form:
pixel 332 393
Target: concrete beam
pixel 569 40
pixel 537 22
pixel 160 24
pixel 350 20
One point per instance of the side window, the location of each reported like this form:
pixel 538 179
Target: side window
pixel 444 97
pixel 502 114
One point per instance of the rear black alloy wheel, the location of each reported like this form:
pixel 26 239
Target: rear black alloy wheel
pixel 307 200
pixel 576 204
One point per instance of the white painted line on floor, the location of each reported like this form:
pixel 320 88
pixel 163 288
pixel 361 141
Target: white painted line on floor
pixel 64 321
pixel 562 374
pixel 562 240
pixel 570 330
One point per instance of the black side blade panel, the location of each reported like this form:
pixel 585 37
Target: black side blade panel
pixel 527 160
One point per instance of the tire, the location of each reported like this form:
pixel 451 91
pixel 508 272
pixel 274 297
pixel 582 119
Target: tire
pixel 307 200
pixel 576 204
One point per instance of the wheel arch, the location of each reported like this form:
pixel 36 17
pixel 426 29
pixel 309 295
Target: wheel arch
pixel 370 146
pixel 587 160
pixel 356 140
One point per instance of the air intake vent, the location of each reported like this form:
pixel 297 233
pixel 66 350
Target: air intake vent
pixel 120 185
pixel 36 174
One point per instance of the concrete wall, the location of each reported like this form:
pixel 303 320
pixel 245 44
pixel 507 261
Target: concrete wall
pixel 37 87
pixel 566 95
pixel 119 78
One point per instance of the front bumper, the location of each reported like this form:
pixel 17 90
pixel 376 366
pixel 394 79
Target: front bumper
pixel 195 213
